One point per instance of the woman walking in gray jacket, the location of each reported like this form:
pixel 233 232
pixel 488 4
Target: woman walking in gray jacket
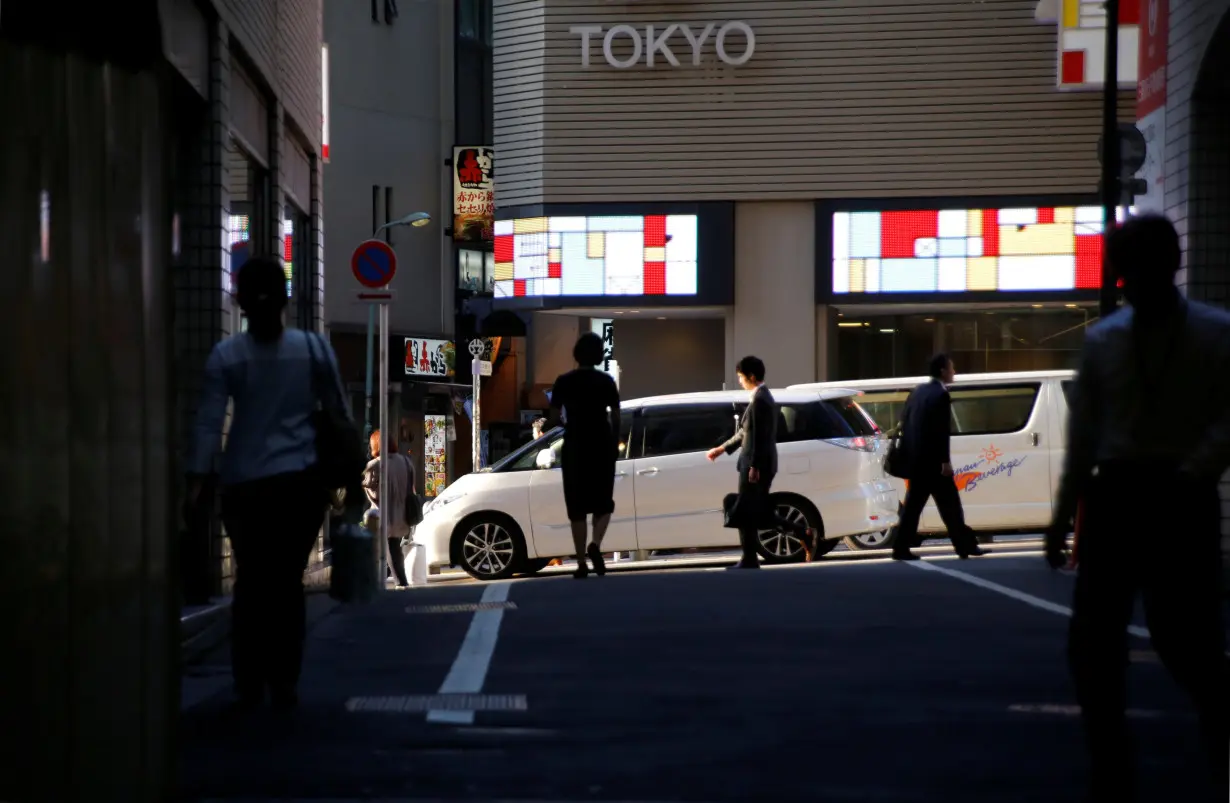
pixel 401 485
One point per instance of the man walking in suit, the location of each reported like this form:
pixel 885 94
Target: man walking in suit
pixel 925 436
pixel 1147 475
pixel 756 442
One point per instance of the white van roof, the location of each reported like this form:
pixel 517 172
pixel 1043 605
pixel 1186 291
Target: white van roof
pixel 784 396
pixel 962 379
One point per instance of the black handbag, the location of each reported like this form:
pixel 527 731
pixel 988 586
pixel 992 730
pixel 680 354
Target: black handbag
pixel 414 505
pixel 738 512
pixel 896 461
pixel 340 456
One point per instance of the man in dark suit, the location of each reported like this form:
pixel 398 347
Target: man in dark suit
pixel 926 430
pixel 756 442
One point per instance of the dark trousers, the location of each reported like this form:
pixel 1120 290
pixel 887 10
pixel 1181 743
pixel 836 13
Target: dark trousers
pixel 754 496
pixel 1148 533
pixel 273 524
pixel 947 499
pixel 397 560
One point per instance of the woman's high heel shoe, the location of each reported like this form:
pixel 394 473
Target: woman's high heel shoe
pixel 582 570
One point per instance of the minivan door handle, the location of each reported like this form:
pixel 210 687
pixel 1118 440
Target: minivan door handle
pixel 1035 438
pixel 647 472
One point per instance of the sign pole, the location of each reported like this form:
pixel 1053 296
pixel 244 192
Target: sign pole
pixel 476 370
pixel 385 440
pixel 1108 297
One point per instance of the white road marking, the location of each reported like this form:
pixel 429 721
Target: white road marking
pixel 1019 596
pixel 469 670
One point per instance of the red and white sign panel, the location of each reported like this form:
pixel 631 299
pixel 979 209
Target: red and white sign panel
pixel 1154 36
pixel 1082 44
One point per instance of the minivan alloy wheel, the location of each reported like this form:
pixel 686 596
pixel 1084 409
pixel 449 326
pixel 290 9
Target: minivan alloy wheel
pixel 487 549
pixel 784 546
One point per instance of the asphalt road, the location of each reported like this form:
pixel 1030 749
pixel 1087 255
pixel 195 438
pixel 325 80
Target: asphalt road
pixel 845 680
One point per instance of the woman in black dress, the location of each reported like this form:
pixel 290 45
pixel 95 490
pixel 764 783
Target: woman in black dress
pixel 589 402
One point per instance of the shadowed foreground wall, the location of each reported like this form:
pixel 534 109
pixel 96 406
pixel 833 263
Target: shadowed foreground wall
pixel 88 684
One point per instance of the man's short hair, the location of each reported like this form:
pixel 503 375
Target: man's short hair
pixel 938 365
pixel 261 284
pixel 589 350
pixel 751 367
pixel 1145 244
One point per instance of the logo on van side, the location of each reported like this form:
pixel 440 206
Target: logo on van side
pixel 969 477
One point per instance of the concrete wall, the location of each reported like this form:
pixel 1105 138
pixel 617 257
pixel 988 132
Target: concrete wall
pixel 774 316
pixel 551 340
pixel 391 126
pixel 672 356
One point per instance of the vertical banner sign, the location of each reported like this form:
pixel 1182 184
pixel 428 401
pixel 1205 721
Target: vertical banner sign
pixel 1151 101
pixel 435 469
pixel 473 194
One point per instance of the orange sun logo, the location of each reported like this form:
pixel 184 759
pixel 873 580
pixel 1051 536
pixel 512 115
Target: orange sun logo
pixel 991 454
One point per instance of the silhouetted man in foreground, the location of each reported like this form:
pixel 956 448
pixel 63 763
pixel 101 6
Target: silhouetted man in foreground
pixel 1147 471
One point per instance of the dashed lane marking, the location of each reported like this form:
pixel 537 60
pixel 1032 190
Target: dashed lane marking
pixel 464 607
pixel 469 670
pixel 1075 711
pixel 444 703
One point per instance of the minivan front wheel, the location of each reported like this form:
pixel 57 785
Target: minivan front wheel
pixel 781 545
pixel 490 548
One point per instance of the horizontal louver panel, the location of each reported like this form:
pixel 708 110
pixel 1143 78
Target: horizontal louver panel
pixel 841 98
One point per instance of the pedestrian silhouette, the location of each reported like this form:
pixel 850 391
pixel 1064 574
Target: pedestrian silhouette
pixel 926 437
pixel 1147 485
pixel 274 496
pixel 588 402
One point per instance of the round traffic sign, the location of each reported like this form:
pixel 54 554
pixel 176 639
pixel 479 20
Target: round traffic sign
pixel 476 348
pixel 374 263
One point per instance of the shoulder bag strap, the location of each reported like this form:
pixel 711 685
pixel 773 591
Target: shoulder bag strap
pixel 321 385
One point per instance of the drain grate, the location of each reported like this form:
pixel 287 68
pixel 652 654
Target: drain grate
pixel 417 704
pixel 465 607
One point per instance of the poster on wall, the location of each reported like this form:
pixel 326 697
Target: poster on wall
pixel 435 471
pixel 430 357
pixel 473 194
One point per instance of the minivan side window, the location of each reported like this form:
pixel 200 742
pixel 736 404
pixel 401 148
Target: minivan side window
pixel 992 410
pixel 679 430
pixel 529 460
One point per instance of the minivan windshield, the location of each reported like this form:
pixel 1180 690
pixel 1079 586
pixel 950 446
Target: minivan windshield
pixel 532 446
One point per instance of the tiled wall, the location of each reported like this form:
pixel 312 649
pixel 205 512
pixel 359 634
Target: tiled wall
pixel 281 40
pixel 1198 155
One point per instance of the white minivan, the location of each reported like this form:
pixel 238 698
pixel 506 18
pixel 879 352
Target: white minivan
pixel 1008 434
pixel 511 519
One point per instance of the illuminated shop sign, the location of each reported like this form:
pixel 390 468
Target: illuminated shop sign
pixel 604 255
pixel 734 43
pixel 430 357
pixel 960 250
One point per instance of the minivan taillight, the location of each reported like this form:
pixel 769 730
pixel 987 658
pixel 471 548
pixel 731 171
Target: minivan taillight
pixel 858 444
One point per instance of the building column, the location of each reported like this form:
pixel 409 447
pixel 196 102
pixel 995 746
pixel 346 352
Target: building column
pixel 87 530
pixel 774 316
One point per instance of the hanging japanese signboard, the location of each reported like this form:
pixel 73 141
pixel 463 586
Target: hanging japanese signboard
pixel 473 194
pixel 430 357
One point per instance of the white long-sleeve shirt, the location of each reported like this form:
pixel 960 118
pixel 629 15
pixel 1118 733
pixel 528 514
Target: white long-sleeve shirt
pixel 270 385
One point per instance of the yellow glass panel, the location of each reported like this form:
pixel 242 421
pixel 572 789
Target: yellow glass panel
pixel 858 275
pixel 553 254
pixel 982 273
pixel 1071 13
pixel 655 254
pixel 1040 238
pixel 595 245
pixel 503 271
pixel 1065 214
pixel 974 222
pixel 530 225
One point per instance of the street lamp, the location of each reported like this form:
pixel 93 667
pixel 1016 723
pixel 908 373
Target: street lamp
pixel 417 220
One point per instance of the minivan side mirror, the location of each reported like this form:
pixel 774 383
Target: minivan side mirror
pixel 546 459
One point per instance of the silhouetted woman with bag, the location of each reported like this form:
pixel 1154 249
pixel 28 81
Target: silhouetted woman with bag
pixel 588 402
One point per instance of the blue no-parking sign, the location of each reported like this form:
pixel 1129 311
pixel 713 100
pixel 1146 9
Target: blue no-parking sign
pixel 374 263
